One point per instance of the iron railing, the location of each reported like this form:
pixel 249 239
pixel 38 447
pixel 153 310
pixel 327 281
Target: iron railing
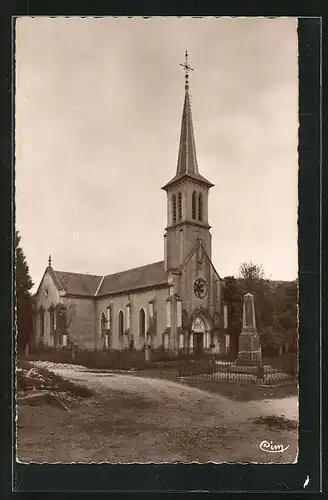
pixel 248 371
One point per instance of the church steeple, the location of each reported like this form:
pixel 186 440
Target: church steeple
pixel 187 194
pixel 187 158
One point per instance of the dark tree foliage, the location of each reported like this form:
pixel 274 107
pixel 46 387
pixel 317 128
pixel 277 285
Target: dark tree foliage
pixel 234 295
pixel 285 299
pixel 275 308
pixel 253 279
pixel 251 275
pixel 24 306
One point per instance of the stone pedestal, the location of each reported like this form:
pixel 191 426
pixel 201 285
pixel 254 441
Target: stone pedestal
pixel 249 348
pixel 249 343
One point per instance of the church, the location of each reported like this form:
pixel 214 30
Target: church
pixel 176 304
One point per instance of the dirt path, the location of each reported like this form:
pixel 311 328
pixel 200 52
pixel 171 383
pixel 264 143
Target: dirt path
pixel 137 419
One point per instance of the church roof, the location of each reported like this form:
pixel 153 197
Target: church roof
pixel 187 159
pixel 91 285
pixel 76 283
pixel 138 277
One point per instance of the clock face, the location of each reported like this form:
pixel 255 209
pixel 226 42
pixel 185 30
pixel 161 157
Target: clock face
pixel 200 288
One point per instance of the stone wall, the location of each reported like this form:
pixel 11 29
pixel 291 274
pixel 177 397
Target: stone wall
pixel 47 295
pixel 136 300
pixel 82 330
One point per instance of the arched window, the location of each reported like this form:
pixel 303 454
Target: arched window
pixel 194 205
pixel 174 208
pixel 142 323
pixel 200 206
pixel 120 325
pixel 180 205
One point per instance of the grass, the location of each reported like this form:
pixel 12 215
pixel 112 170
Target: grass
pixel 121 426
pixel 229 390
pixel 92 359
pixel 169 370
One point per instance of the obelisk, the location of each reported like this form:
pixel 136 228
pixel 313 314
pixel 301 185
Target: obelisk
pixel 249 342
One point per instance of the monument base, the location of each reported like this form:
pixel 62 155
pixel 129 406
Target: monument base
pixel 249 353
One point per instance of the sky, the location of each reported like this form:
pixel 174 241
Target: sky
pixel 98 115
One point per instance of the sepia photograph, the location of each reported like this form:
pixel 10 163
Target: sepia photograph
pixel 156 230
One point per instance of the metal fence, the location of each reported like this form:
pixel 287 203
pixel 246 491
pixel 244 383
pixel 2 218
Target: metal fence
pixel 267 371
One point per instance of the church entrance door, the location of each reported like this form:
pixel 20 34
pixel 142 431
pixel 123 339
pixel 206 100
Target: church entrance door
pixel 199 331
pixel 198 343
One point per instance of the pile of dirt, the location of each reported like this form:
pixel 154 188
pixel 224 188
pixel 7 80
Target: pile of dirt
pixel 38 386
pixel 277 422
pixel 31 379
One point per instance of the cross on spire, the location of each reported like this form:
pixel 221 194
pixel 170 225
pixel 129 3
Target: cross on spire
pixel 187 68
pixel 187 159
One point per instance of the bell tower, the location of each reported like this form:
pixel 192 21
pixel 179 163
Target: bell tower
pixel 187 195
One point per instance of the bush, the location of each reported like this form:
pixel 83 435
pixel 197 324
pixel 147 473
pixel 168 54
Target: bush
pixel 111 360
pixel 120 360
pixel 230 356
pixel 44 353
pixel 158 355
pixel 286 363
pixel 202 367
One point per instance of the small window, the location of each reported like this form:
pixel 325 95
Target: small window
pixel 194 203
pixel 174 208
pixel 200 206
pixel 180 205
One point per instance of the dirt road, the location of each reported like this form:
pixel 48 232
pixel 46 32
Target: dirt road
pixel 136 419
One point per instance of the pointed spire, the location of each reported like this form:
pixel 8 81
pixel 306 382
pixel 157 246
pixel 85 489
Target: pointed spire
pixel 49 261
pixel 187 159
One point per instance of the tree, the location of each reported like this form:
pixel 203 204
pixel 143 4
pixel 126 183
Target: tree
pixel 233 294
pixel 285 310
pixel 251 274
pixel 65 319
pixel 254 280
pixel 23 285
pixel 275 308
